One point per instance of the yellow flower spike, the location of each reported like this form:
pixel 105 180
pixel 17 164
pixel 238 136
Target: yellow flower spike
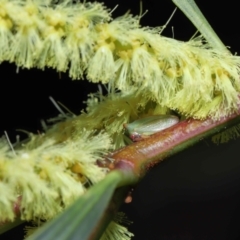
pixel 53 52
pixel 79 42
pixel 26 41
pixel 118 52
pixel 110 37
pixel 114 37
pixel 222 82
pixel 6 25
pixel 30 187
pixel 102 66
pixel 80 38
pixel 44 179
pixel 145 66
pixel 183 74
pixel 116 231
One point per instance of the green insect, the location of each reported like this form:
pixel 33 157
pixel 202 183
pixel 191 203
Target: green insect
pixel 144 127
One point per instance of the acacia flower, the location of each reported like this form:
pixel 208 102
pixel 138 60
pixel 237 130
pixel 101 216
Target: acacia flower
pixel 190 77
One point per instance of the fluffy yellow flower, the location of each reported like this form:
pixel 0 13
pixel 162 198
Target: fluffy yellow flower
pixel 189 77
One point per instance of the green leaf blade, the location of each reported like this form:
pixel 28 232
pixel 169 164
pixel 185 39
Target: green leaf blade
pixel 82 217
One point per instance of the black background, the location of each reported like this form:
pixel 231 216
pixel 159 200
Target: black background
pixel 191 196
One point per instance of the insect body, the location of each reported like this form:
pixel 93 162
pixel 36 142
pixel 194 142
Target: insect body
pixel 144 127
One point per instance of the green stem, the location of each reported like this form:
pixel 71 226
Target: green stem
pixel 111 211
pixel 191 10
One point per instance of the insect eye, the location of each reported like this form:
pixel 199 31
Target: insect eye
pixel 135 136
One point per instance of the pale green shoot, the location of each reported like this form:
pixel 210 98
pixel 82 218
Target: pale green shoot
pixel 191 10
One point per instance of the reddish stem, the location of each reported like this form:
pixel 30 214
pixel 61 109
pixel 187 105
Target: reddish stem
pixel 141 155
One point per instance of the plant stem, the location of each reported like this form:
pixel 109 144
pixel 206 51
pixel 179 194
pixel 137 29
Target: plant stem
pixel 110 212
pixel 144 154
